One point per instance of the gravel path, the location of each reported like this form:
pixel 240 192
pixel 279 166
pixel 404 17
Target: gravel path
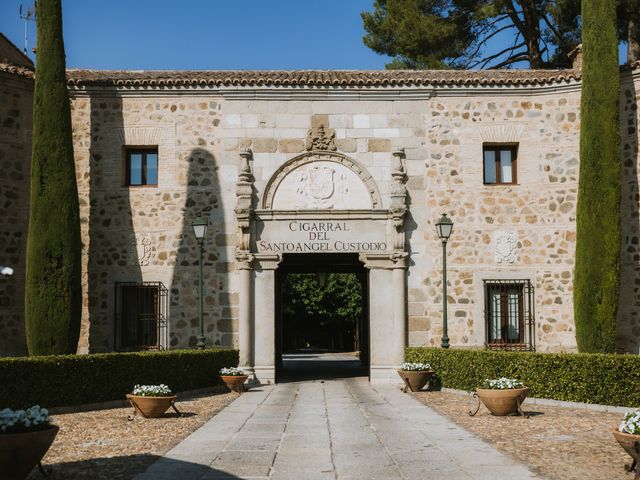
pixel 104 445
pixel 558 443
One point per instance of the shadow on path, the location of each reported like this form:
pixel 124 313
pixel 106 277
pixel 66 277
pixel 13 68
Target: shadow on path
pixel 319 366
pixel 123 468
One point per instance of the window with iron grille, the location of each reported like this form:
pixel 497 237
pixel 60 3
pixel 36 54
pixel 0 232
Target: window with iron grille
pixel 509 314
pixel 141 322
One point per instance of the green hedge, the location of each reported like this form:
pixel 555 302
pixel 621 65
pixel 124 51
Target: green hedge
pixel 66 380
pixel 606 379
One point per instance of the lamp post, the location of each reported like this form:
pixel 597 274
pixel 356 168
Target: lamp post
pixel 444 227
pixel 199 226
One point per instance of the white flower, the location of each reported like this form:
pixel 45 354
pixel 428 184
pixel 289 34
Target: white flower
pixel 232 371
pixel 502 383
pixel 161 390
pixel 631 423
pixel 23 420
pixel 413 367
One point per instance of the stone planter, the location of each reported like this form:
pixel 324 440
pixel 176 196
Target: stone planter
pixel 151 407
pixel 21 452
pixel 501 402
pixel 415 380
pixel 235 383
pixel 631 444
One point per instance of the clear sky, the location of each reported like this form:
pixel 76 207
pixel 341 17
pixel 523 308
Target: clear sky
pixel 207 34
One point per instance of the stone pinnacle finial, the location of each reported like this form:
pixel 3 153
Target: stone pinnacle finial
pixel 246 154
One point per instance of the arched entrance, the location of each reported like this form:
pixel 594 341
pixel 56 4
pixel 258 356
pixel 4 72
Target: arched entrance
pixel 318 208
pixel 329 338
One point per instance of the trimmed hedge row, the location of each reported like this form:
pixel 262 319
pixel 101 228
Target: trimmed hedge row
pixel 606 379
pixel 66 380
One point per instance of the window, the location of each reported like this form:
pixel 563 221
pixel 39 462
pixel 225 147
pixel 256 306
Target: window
pixel 509 314
pixel 141 166
pixel 141 316
pixel 499 164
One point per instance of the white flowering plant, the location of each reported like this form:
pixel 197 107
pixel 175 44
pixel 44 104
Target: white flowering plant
pixel 415 367
pixel 631 423
pixel 29 420
pixel 161 390
pixel 231 372
pixel 502 383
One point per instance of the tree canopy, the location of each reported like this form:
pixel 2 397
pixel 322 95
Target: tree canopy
pixel 321 316
pixel 465 33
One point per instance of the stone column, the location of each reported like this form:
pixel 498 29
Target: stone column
pixel 399 311
pixel 245 312
pixel 244 215
pixel 387 319
pixel 264 316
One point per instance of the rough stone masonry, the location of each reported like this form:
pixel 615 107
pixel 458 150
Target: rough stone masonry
pixel 364 161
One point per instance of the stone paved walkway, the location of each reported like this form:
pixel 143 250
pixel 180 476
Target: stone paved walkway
pixel 336 429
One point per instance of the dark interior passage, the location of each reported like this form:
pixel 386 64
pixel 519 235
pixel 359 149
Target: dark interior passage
pixel 322 326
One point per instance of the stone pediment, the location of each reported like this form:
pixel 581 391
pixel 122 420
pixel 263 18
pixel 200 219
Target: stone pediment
pixel 320 180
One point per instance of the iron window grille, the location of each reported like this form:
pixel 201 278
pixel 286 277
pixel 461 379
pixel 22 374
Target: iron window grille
pixel 509 315
pixel 140 316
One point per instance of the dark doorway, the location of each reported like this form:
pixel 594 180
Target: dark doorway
pixel 322 318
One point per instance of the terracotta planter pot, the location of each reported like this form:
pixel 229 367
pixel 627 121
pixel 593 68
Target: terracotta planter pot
pixel 629 442
pixel 416 379
pixel 501 402
pixel 150 407
pixel 21 452
pixel 235 383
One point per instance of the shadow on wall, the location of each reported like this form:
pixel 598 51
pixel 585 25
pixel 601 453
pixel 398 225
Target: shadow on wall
pixel 628 322
pixel 113 246
pixel 127 467
pixel 203 198
pixel 16 100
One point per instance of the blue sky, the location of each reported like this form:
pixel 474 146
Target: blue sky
pixel 207 34
pixel 212 34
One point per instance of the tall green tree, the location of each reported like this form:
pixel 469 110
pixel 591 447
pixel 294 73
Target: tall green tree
pixel 596 281
pixel 464 33
pixel 53 294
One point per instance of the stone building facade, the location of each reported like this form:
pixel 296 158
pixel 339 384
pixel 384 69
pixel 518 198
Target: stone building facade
pixel 16 99
pixel 281 163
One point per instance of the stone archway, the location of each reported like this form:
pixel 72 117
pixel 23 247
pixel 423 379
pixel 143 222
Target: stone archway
pixel 322 202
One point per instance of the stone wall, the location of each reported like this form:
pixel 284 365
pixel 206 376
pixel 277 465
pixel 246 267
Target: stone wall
pixel 16 100
pixel 524 231
pixel 144 233
pixel 139 234
pixel 628 331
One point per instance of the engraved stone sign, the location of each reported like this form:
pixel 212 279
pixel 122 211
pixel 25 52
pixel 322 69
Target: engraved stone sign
pixel 305 236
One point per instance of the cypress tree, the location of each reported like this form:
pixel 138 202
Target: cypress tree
pixel 597 268
pixel 53 294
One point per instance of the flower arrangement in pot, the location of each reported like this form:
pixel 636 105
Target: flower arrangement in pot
pixel 502 396
pixel 151 401
pixel 628 436
pixel 234 378
pixel 415 375
pixel 25 437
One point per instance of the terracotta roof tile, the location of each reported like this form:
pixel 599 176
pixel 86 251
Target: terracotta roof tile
pixel 318 78
pixel 310 78
pixel 16 70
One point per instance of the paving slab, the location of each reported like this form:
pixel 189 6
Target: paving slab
pixel 342 429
